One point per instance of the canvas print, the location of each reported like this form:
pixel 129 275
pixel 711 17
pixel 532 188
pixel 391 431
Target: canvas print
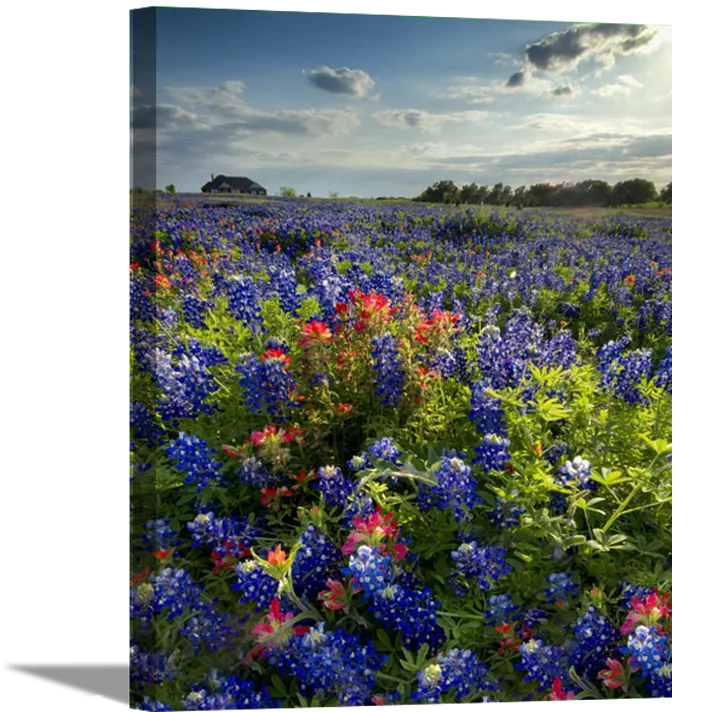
pixel 401 360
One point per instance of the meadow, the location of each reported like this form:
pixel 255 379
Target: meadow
pixel 392 453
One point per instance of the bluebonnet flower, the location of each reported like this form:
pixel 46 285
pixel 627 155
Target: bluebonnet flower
pixel 169 590
pixel 335 663
pixel 336 488
pixel 455 488
pixel 268 385
pixel 254 472
pixel 493 453
pixel 411 611
pixel 458 671
pixel 184 385
pixel 531 617
pixel 244 301
pixel 360 505
pixel 663 374
pixel 141 304
pixel 209 628
pixel 312 561
pixel 557 449
pixel 481 564
pixel 194 310
pixel 359 462
pixel 150 668
pixel 486 411
pixel 387 364
pixel 385 450
pixel 593 636
pixel 159 535
pixel 630 591
pixel 570 311
pixel 651 654
pixel 229 536
pixel 500 608
pixel 506 514
pixel 578 472
pixel 561 587
pixel 168 318
pixel 209 355
pixel 193 457
pixel 255 584
pixel 558 504
pixel 542 663
pixel 636 365
pixel 444 363
pixel 622 374
pixel 220 692
pixel 273 342
pixel 462 370
pixel 142 422
pixel 153 706
pixel 371 569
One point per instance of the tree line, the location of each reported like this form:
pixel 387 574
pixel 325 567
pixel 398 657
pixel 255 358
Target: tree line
pixel 592 193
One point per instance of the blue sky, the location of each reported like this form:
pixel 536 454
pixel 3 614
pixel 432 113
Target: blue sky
pixel 382 105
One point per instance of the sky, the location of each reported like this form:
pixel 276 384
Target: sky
pixel 368 105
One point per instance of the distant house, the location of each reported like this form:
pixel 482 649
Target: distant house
pixel 233 184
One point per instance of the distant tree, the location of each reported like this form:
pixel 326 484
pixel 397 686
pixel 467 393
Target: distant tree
pixel 519 198
pixel 435 193
pixel 633 192
pixel 469 194
pixel 170 188
pixel 288 192
pixel 333 195
pixel 595 192
pixel 308 195
pixel 665 195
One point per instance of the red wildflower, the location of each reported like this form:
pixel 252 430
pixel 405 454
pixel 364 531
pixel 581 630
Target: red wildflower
pixel 271 632
pixel 162 281
pixel 558 691
pixel 272 496
pixel 630 279
pixel 613 675
pixel 277 556
pixel 277 354
pixel 337 597
pixel 141 576
pixel 134 265
pixel 315 332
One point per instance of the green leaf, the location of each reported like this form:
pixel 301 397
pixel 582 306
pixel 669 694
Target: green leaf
pixel 384 639
pixel 278 686
pixel 575 540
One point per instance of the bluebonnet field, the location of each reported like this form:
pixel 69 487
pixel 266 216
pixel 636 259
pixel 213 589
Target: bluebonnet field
pixel 384 454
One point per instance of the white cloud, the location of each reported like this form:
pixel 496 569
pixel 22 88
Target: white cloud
pixel 425 121
pixel 624 86
pixel 351 82
pixel 564 50
pixel 224 106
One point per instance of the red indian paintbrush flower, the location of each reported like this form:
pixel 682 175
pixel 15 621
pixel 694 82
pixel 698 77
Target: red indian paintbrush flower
pixel 613 675
pixel 315 332
pixel 272 632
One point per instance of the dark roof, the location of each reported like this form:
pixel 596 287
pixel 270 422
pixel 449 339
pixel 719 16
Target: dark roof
pixel 237 183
